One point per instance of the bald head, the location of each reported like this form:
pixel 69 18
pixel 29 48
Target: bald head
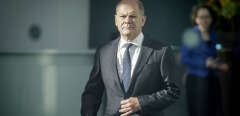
pixel 132 2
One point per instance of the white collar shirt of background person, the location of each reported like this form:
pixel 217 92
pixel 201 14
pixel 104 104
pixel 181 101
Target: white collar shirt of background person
pixel 134 51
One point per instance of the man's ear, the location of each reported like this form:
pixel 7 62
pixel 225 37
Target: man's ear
pixel 115 18
pixel 144 18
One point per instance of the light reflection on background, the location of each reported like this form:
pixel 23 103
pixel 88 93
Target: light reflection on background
pixel 49 84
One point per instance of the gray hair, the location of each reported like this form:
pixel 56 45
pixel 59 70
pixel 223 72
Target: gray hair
pixel 139 3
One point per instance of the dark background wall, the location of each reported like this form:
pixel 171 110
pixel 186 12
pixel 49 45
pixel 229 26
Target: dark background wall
pixel 166 20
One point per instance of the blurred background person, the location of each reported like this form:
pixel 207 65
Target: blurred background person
pixel 198 53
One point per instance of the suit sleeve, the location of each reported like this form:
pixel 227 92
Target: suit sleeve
pixel 170 92
pixel 92 95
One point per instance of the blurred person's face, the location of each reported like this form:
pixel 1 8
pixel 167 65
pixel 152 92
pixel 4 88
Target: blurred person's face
pixel 129 20
pixel 204 19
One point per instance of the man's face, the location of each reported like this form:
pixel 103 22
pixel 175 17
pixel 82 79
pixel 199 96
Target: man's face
pixel 129 20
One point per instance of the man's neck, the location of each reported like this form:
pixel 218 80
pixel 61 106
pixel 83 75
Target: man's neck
pixel 129 38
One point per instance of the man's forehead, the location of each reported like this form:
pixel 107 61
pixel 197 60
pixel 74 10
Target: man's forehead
pixel 126 8
pixel 126 12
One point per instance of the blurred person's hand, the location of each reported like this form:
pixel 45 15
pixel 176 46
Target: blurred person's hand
pixel 223 67
pixel 211 63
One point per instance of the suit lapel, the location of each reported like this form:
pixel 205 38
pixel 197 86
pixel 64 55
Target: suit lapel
pixel 114 49
pixel 142 59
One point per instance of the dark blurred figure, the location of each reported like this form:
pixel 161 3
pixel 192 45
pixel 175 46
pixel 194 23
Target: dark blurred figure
pixel 199 55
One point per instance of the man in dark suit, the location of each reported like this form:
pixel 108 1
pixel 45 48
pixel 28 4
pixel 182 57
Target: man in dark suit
pixel 134 71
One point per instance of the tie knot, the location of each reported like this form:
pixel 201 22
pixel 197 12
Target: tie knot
pixel 128 45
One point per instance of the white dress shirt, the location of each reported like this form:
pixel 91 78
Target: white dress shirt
pixel 134 51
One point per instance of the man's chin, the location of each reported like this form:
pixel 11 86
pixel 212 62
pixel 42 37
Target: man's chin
pixel 130 32
pixel 127 34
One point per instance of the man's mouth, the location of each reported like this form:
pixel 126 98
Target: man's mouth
pixel 129 27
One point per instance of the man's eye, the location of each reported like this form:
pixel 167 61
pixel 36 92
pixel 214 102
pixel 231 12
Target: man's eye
pixel 123 16
pixel 133 16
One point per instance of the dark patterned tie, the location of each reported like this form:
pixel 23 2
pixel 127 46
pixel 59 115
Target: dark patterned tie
pixel 126 75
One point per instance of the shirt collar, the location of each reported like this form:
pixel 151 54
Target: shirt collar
pixel 137 41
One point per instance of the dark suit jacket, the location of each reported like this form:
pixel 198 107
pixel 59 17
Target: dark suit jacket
pixel 151 81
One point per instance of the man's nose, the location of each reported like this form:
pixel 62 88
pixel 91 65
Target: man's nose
pixel 128 19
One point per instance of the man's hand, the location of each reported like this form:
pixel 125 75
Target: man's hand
pixel 129 106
